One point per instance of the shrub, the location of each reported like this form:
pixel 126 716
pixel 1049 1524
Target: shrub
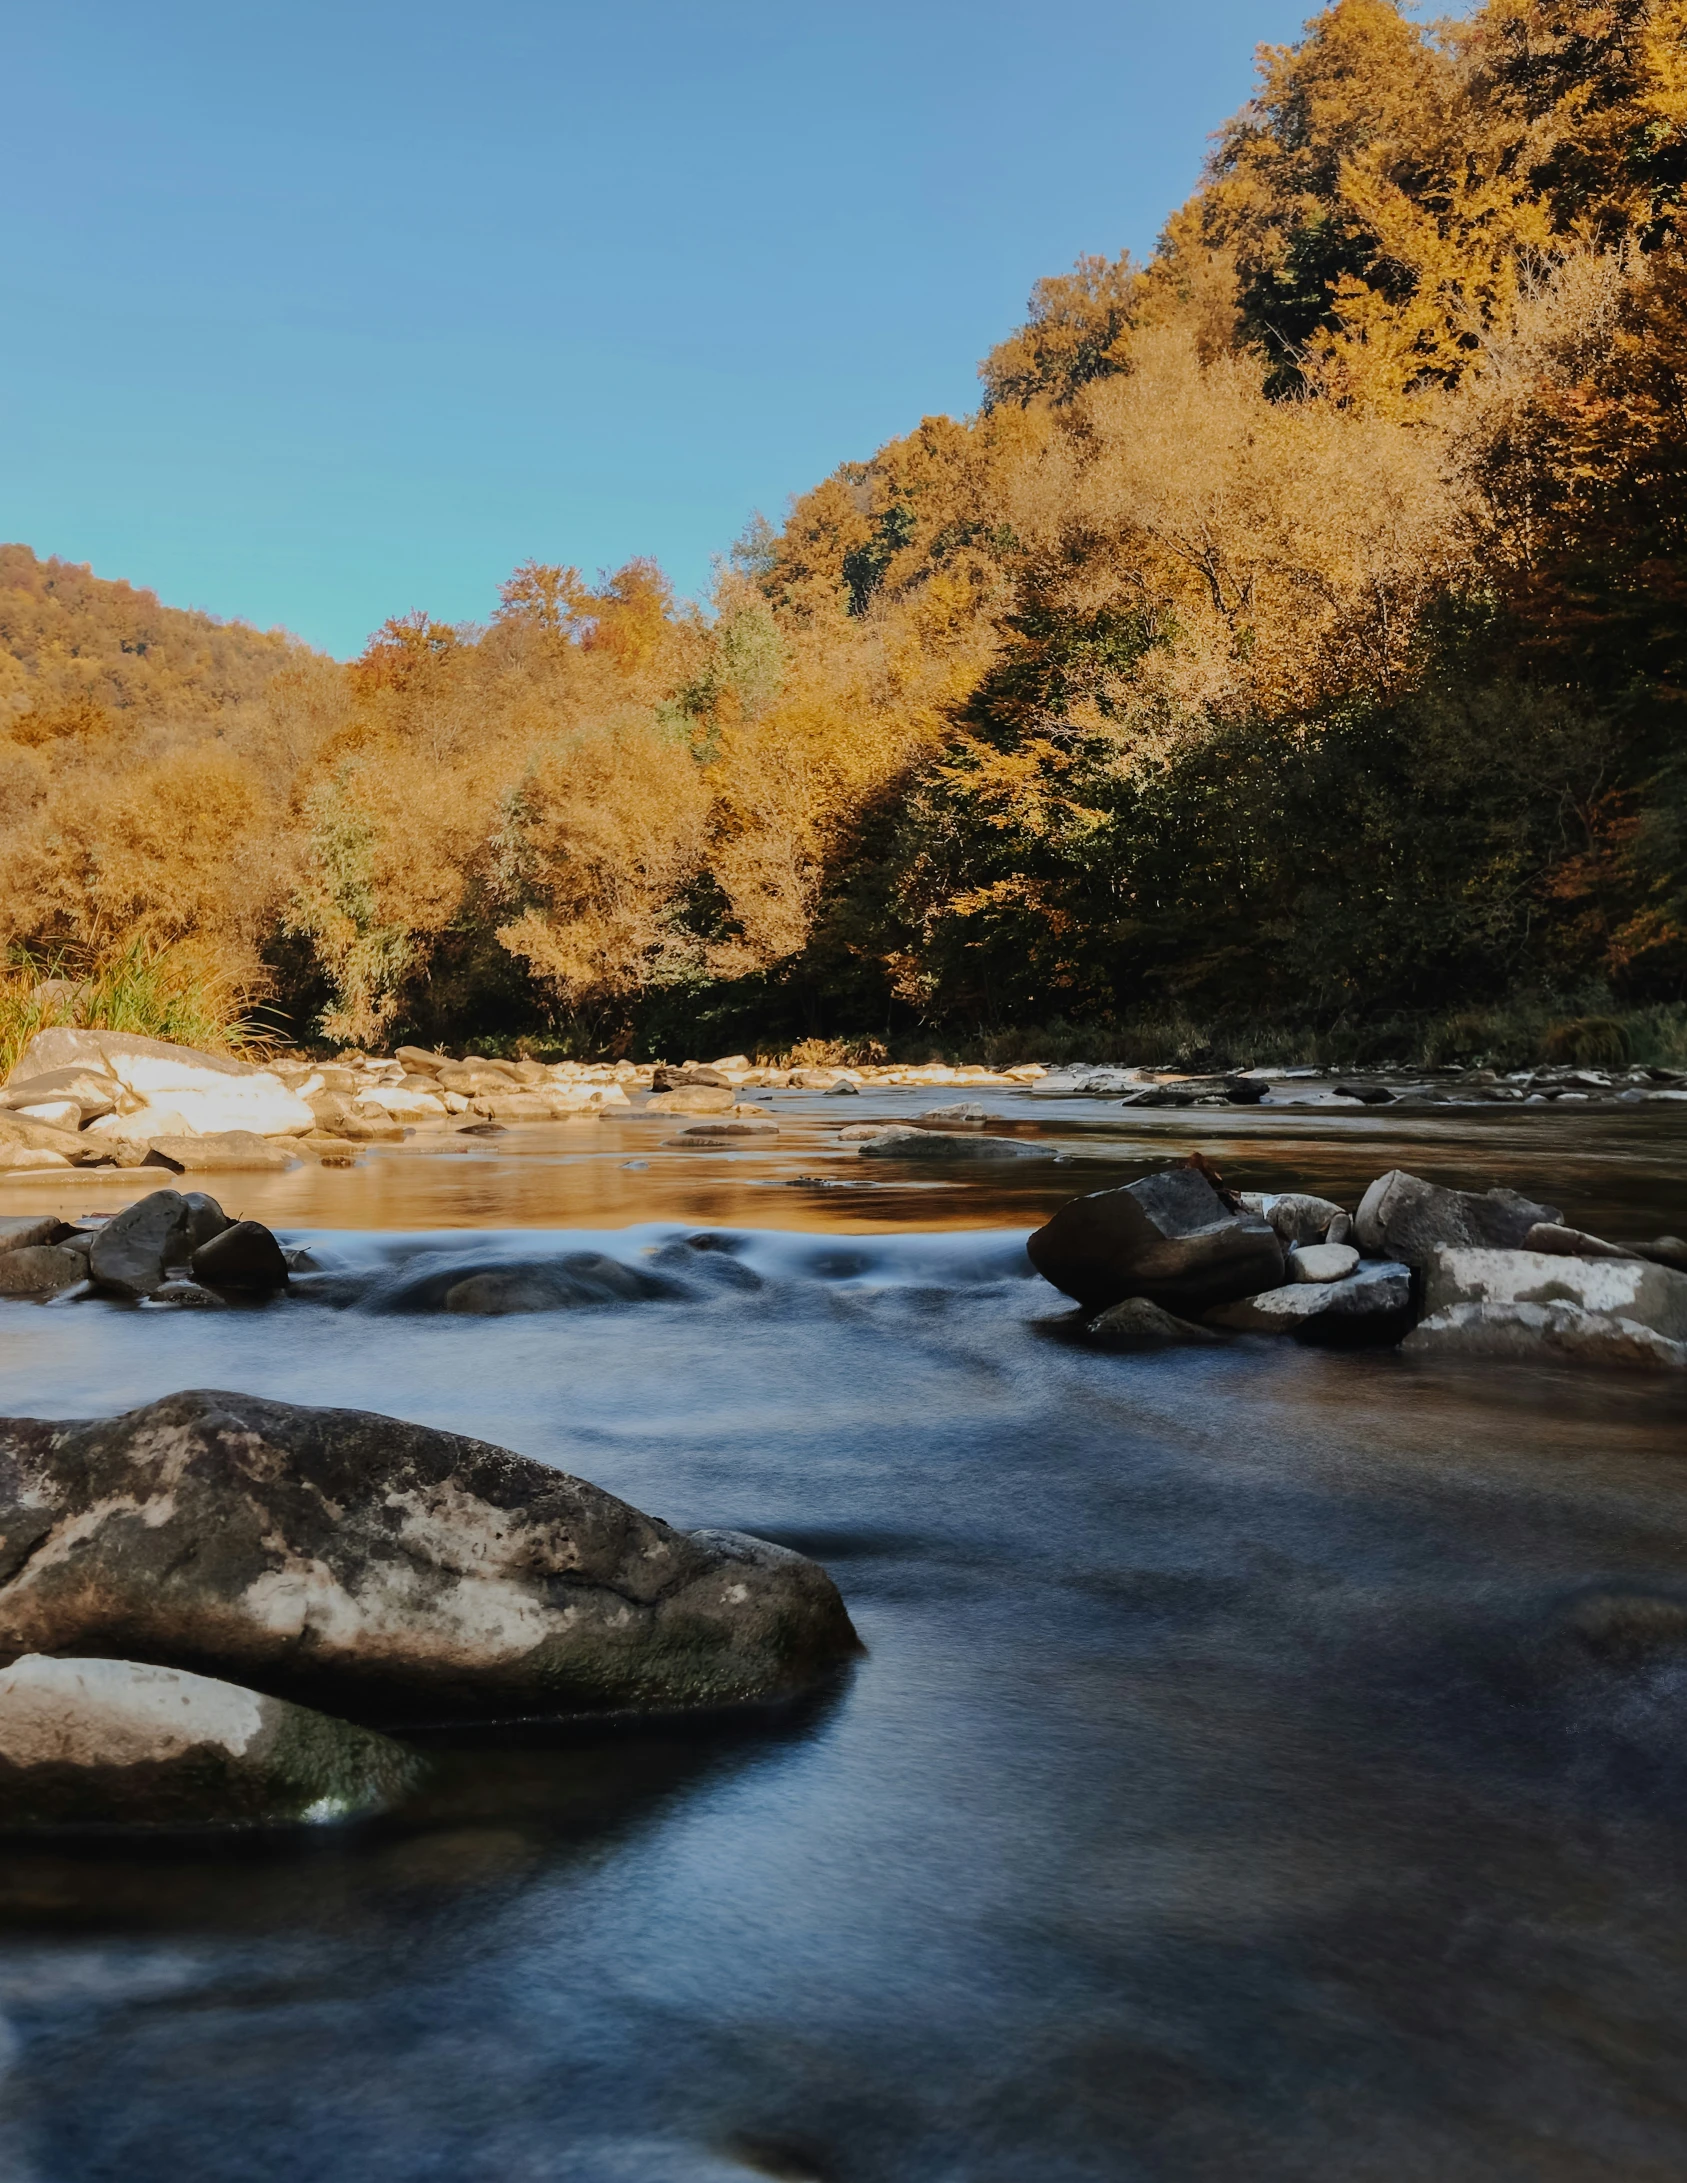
pixel 1596 1042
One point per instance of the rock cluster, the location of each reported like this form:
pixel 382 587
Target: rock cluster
pixel 1171 1087
pixel 171 1247
pixel 1175 1255
pixel 333 1558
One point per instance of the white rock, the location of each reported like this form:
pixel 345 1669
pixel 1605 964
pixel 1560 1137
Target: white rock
pixel 22 1159
pixel 146 1123
pixel 204 1091
pixel 1522 1304
pixel 1322 1261
pixel 62 1113
pixel 401 1101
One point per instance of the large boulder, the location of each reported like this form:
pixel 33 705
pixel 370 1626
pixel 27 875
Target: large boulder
pixel 692 1099
pixel 93 1091
pixel 1169 1237
pixel 137 1247
pixel 98 1742
pixel 385 1570
pixel 1371 1306
pixel 208 1091
pixel 1402 1216
pixel 1541 1305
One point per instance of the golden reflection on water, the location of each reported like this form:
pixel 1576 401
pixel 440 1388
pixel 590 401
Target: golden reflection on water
pixel 1625 1172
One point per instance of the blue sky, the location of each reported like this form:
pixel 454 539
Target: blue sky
pixel 322 312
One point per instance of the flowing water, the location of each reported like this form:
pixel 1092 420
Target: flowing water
pixel 1225 1791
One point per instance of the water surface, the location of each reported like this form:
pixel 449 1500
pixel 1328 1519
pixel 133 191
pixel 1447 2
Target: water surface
pixel 1225 1792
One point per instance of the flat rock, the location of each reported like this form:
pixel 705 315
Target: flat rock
pixel 224 1152
pixel 1402 1216
pixel 1523 1304
pixel 1139 1324
pixel 1372 1305
pixel 76 1147
pixel 691 1099
pixel 968 1114
pixel 905 1143
pixel 1322 1261
pixel 385 1570
pixel 1167 1236
pixel 122 1742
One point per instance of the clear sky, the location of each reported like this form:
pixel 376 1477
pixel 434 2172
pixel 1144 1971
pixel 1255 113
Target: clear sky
pixel 322 310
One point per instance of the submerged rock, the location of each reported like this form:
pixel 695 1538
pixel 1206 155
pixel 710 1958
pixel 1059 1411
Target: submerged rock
pixel 1169 1237
pixel 493 1287
pixel 904 1142
pixel 1138 1324
pixel 1540 1305
pixel 386 1570
pixel 1402 1216
pixel 102 1742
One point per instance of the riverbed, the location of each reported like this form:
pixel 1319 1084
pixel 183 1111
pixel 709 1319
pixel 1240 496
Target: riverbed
pixel 1227 1790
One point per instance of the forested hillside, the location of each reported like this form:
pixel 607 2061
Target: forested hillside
pixel 1296 635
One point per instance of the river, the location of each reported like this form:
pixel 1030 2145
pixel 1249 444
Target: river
pixel 1225 1791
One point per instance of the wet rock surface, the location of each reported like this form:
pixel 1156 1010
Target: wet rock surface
pixel 1536 1304
pixel 385 1570
pixel 1168 1237
pixel 102 1742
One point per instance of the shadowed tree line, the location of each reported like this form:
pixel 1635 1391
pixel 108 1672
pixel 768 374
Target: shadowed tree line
pixel 1297 634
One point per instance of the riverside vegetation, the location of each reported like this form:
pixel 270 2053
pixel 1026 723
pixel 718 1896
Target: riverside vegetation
pixel 1285 661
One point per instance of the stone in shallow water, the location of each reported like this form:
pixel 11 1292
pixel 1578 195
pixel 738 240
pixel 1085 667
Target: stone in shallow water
pixel 42 1269
pixel 1402 1216
pixel 1167 1236
pixel 384 1570
pixel 244 1256
pixel 101 1742
pixel 227 1151
pixel 906 1143
pixel 1538 1304
pixel 1371 1305
pixel 1138 1324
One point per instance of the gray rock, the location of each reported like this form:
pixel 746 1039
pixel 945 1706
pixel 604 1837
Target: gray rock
pixel 904 1143
pixel 1245 1091
pixel 40 1269
pixel 1373 1305
pixel 21 1231
pixel 137 1247
pixel 245 1255
pixel 183 1295
pixel 1367 1090
pixel 1299 1217
pixel 1139 1324
pixel 385 1570
pixel 1401 1216
pixel 122 1742
pixel 1539 1305
pixel 1665 1251
pixel 968 1114
pixel 1322 1261
pixel 1559 1242
pixel 1169 1237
